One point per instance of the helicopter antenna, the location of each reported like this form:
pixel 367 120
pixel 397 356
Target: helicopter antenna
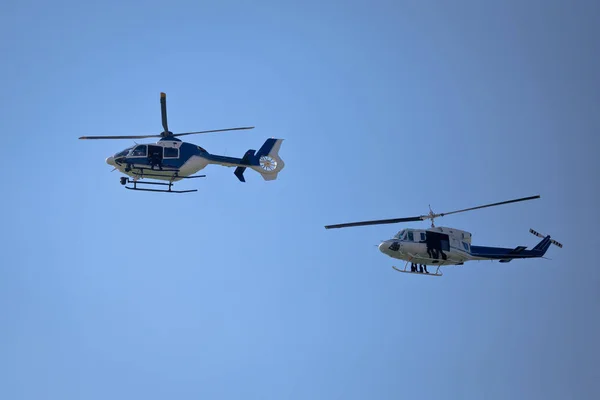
pixel 430 216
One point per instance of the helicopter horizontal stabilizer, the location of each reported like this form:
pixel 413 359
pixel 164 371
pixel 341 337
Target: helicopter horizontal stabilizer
pixel 515 251
pixel 247 159
pixel 239 172
pixel 518 249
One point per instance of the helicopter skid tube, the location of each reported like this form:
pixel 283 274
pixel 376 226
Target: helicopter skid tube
pixel 418 273
pixel 163 191
pixel 124 181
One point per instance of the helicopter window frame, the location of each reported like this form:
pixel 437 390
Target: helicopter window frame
pixel 171 156
pixel 138 155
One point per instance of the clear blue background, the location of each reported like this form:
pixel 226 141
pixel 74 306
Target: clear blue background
pixel 237 291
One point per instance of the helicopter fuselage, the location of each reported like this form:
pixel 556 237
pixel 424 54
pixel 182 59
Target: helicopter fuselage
pixel 170 159
pixel 435 246
pixel 449 246
pixel 161 160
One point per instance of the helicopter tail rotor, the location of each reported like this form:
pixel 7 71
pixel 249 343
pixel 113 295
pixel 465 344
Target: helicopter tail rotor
pixel 269 162
pixel 554 242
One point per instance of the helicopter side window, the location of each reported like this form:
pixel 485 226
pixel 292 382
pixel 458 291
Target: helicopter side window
pixel 171 152
pixel 410 236
pixel 140 151
pixel 422 236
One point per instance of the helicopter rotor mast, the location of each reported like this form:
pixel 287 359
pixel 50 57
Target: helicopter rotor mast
pixel 165 133
pixel 431 216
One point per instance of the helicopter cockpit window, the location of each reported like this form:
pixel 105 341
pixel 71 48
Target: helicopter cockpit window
pixel 399 235
pixel 410 236
pixel 140 151
pixel 171 152
pixel 123 153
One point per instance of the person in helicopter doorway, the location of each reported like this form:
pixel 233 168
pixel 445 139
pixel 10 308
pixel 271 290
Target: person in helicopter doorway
pixel 155 160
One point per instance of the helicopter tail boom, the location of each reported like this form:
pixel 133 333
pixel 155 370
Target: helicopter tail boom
pixel 266 161
pixel 505 255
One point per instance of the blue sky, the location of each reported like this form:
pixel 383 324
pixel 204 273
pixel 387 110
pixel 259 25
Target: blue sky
pixel 237 291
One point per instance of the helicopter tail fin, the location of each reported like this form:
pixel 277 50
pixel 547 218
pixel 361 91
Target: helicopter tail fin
pixel 267 161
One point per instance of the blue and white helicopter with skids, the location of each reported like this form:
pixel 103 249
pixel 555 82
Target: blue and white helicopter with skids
pixel 441 246
pixel 172 160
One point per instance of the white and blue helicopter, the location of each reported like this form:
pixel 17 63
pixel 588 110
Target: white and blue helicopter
pixel 172 160
pixel 441 246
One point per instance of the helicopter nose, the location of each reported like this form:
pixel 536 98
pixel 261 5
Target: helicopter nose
pixel 389 247
pixel 110 161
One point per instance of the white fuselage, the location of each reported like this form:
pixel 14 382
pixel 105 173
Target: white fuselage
pixel 412 245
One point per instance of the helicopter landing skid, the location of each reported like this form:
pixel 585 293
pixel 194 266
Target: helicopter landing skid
pixel 125 181
pixel 436 273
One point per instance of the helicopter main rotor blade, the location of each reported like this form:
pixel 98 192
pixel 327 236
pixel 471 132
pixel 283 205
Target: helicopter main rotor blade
pixel 488 205
pixel 377 222
pixel 215 130
pixel 424 217
pixel 166 133
pixel 173 135
pixel 120 137
pixel 163 111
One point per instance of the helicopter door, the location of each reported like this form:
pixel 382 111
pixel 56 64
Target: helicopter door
pixel 155 155
pixel 437 243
